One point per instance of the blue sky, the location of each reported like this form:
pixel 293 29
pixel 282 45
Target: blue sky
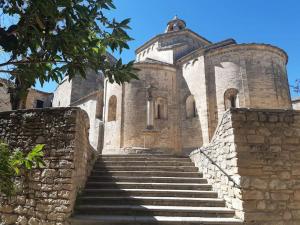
pixel 275 22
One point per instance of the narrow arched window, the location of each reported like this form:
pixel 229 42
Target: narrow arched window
pixel 233 101
pixel 112 109
pixel 158 111
pixel 161 111
pixel 190 107
pixel 231 98
pixel 194 109
pixel 99 106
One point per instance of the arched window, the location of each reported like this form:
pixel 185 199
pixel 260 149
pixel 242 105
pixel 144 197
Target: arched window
pixel 112 109
pixel 194 61
pixel 99 106
pixel 231 98
pixel 190 107
pixel 161 110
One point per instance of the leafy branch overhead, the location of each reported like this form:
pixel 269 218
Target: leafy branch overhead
pixel 51 38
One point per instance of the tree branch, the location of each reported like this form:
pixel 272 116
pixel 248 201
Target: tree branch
pixel 31 62
pixel 6 71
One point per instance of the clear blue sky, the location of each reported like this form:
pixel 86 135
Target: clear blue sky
pixel 276 22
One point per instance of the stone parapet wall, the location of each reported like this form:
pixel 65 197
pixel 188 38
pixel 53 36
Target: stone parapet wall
pixel 5 95
pixel 260 151
pixel 47 195
pixel 218 163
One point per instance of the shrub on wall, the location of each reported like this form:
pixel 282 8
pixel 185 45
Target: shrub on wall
pixel 12 162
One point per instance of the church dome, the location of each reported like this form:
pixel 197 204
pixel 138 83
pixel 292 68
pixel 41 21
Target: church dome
pixel 175 24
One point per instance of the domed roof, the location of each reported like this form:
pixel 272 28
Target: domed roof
pixel 175 24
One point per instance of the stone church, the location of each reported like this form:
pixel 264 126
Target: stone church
pixel 185 85
pixel 207 135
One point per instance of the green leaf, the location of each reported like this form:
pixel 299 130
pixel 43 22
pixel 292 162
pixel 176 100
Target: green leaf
pixel 58 38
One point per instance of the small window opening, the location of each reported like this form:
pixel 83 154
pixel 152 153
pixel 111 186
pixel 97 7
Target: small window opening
pixel 39 104
pixel 232 102
pixel 231 98
pixel 160 108
pixel 112 108
pixel 191 109
pixel 158 112
pixel 194 109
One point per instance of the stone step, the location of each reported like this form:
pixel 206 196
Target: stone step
pixel 142 158
pixel 140 185
pixel 141 200
pixel 149 192
pixel 154 210
pixel 143 163
pixel 146 173
pixel 143 220
pixel 148 168
pixel 146 220
pixel 149 189
pixel 151 179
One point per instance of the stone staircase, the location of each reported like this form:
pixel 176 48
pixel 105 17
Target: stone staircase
pixel 149 189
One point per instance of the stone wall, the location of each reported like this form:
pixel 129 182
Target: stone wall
pixel 169 47
pixel 258 72
pixel 195 78
pixel 296 104
pixel 162 78
pixel 62 94
pixel 92 104
pixel 220 155
pixel 129 129
pixel 259 150
pixel 47 195
pixel 191 135
pixel 34 95
pixel 83 86
pixel 4 95
pixel 112 129
pixel 67 92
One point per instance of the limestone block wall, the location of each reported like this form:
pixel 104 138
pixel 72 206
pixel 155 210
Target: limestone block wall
pixel 257 72
pixel 4 96
pixel 218 163
pixel 154 52
pixel 62 94
pixel 163 79
pixel 34 95
pixel 296 104
pixel 169 47
pixel 68 92
pixel 227 71
pixel 193 72
pixel 112 128
pixel 191 134
pixel 259 150
pixel 92 104
pixel 47 195
pixel 84 86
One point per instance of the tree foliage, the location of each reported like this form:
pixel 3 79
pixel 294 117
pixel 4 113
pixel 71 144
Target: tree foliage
pixel 52 38
pixel 12 162
pixel 296 86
